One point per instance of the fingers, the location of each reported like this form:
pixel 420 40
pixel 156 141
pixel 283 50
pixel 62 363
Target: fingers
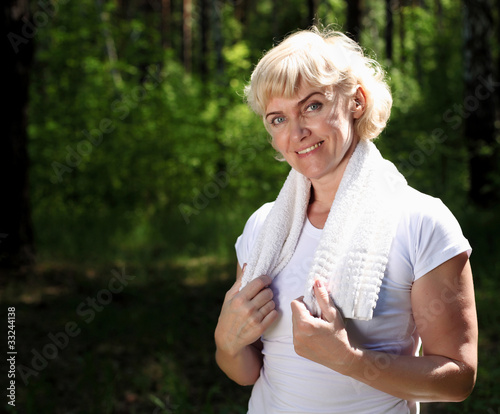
pixel 270 317
pixel 322 296
pixel 259 312
pixel 255 286
pixel 234 289
pixel 240 271
pixel 254 297
pixel 236 286
pixel 328 310
pixel 262 298
pixel 263 306
pixel 239 279
pixel 267 308
pixel 300 313
pixel 298 306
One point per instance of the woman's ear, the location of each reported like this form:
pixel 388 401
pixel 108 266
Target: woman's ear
pixel 359 102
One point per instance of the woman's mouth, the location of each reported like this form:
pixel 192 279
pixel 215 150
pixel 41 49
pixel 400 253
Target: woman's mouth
pixel 311 148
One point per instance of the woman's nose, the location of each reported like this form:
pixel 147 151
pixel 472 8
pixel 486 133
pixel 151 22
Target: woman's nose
pixel 298 130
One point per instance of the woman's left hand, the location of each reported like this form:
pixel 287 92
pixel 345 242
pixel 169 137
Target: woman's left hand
pixel 323 340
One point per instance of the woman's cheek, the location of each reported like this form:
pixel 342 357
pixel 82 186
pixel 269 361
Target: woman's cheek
pixel 277 143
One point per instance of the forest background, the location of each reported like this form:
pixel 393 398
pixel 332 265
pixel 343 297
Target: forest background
pixel 130 163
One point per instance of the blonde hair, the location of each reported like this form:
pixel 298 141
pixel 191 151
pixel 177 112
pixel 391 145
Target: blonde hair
pixel 322 58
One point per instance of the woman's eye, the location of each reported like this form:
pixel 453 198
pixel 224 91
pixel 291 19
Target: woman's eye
pixel 278 120
pixel 313 107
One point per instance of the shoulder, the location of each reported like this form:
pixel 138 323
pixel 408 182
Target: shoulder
pixel 426 212
pixel 257 219
pixel 431 231
pixel 245 242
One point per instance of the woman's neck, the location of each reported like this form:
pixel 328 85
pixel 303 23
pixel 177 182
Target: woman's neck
pixel 323 193
pixel 319 207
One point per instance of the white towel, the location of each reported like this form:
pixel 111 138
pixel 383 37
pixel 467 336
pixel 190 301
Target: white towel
pixel 354 247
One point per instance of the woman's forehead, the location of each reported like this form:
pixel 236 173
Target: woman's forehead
pixel 300 96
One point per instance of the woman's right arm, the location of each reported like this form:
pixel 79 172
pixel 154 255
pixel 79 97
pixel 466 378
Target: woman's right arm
pixel 244 317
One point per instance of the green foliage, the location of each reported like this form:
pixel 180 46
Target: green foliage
pixel 134 160
pixel 122 167
pixel 132 154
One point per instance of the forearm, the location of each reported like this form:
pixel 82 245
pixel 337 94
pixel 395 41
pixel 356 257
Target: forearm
pixel 447 371
pixel 242 367
pixel 427 378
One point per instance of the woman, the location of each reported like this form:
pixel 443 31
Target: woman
pixel 350 271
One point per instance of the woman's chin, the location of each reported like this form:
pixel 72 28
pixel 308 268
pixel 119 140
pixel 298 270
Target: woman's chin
pixel 312 173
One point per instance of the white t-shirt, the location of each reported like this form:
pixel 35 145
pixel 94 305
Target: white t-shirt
pixel 427 236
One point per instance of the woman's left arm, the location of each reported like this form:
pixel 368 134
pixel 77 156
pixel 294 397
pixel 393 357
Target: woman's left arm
pixel 445 315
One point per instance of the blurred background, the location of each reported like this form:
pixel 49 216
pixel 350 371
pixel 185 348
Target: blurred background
pixel 130 164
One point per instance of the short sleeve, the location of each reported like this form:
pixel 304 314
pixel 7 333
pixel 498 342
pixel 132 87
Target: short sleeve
pixel 246 240
pixel 438 237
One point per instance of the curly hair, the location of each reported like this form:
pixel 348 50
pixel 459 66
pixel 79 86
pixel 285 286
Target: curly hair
pixel 322 58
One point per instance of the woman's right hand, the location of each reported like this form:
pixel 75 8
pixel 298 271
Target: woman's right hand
pixel 245 314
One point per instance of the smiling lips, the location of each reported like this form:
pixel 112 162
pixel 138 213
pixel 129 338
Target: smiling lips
pixel 305 151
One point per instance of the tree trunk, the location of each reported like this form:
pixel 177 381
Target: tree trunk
pixel 353 28
pixel 439 14
pixel 312 10
pixel 241 10
pixel 479 102
pixel 16 230
pixel 419 71
pixel 110 46
pixel 165 24
pixel 276 7
pixel 187 33
pixel 218 40
pixel 204 33
pixel 402 32
pixel 389 30
pixel 497 71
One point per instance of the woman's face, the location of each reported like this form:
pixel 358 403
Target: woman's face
pixel 314 131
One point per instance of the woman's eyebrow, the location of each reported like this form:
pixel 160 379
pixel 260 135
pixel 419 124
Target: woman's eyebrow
pixel 300 103
pixel 274 113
